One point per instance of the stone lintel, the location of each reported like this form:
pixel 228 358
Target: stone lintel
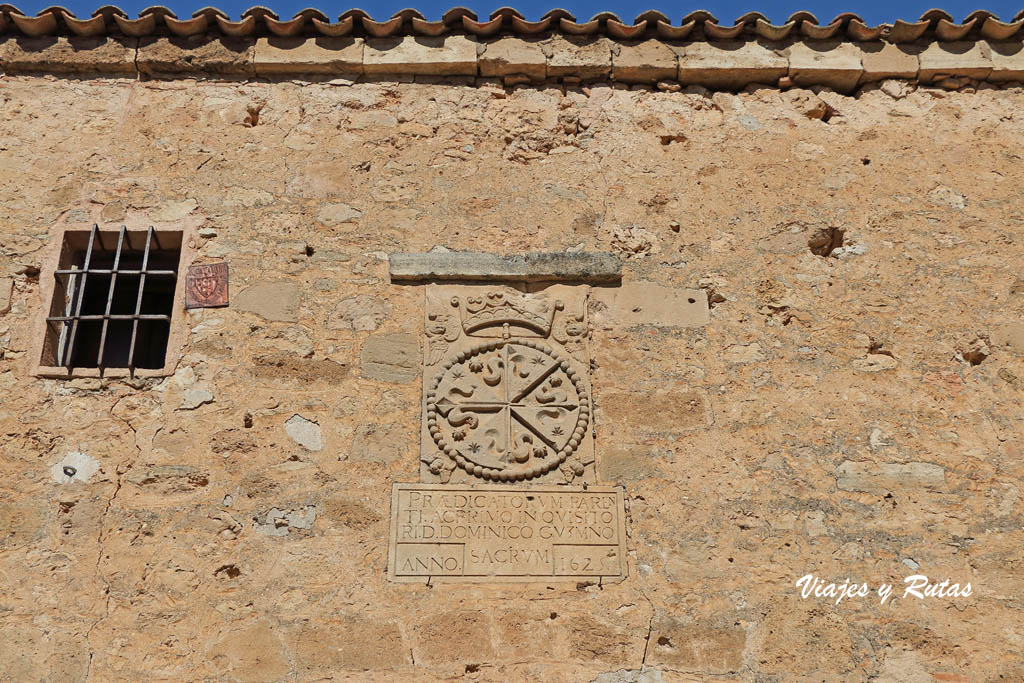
pixel 585 57
pixel 961 58
pixel 1007 61
pixel 421 55
pixel 511 56
pixel 832 63
pixel 300 55
pixel 730 64
pixel 76 54
pixel 195 54
pixel 882 60
pixel 648 61
pixel 593 268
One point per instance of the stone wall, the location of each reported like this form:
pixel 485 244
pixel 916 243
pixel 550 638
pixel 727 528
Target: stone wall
pixel 851 409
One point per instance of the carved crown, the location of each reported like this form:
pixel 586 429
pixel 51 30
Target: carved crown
pixel 497 314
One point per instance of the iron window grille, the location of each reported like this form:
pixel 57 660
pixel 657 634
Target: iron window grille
pixel 113 299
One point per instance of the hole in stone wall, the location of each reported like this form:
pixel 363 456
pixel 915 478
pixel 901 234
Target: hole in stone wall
pixel 878 348
pixel 229 570
pixel 866 161
pixel 825 240
pixel 553 616
pixel 472 668
pixel 310 250
pixel 714 297
pixel 820 110
pixel 252 119
pixel 247 421
pixel 664 641
pixel 974 356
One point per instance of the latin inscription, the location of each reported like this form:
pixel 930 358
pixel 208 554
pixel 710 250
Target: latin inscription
pixel 492 533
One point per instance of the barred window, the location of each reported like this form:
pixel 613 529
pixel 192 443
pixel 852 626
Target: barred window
pixel 113 298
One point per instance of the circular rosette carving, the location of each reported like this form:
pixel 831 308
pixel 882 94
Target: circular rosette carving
pixel 508 410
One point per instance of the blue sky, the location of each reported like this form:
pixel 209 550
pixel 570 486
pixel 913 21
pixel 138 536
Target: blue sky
pixel 873 11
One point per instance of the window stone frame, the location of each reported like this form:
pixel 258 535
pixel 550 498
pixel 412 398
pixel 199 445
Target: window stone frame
pixel 179 328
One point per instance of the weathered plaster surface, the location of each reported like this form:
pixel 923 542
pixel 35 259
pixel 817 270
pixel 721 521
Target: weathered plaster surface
pixel 840 414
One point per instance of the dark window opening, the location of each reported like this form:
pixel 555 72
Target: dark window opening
pixel 113 299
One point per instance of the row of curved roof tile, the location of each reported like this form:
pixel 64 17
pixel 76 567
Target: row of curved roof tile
pixel 934 24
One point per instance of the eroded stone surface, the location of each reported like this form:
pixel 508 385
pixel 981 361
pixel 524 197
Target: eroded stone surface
pixel 513 56
pixel 304 432
pixel 731 64
pixel 277 301
pixel 648 303
pixel 301 56
pixel 390 357
pixel 452 55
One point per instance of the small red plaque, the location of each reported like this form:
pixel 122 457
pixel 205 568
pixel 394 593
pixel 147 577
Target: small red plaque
pixel 206 286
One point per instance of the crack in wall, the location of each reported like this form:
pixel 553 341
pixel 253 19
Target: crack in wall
pixel 119 475
pixel 650 630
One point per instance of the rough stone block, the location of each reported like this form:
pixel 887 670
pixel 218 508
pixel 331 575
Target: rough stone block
pixel 358 643
pixel 331 215
pixel 830 63
pixel 627 463
pixel 271 300
pixel 196 54
pixel 698 647
pixel 1007 61
pixel 21 521
pixel 288 367
pixel 361 312
pixel 69 55
pixel 1009 337
pixel 514 56
pixel 463 636
pixel 962 58
pixel 584 57
pixel 253 654
pixel 594 267
pixel 442 56
pixel 390 358
pixel 882 60
pixel 6 291
pixel 646 417
pixel 648 61
pixel 322 55
pixel 730 64
pixel 648 303
pixel 380 443
pixel 869 477
pixel 304 432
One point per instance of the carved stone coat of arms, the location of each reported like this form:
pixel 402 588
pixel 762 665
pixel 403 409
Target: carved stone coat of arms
pixel 506 386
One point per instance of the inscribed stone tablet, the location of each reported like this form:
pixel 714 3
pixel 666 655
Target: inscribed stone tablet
pixel 498 534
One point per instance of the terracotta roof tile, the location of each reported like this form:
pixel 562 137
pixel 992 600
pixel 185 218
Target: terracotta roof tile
pixel 933 25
